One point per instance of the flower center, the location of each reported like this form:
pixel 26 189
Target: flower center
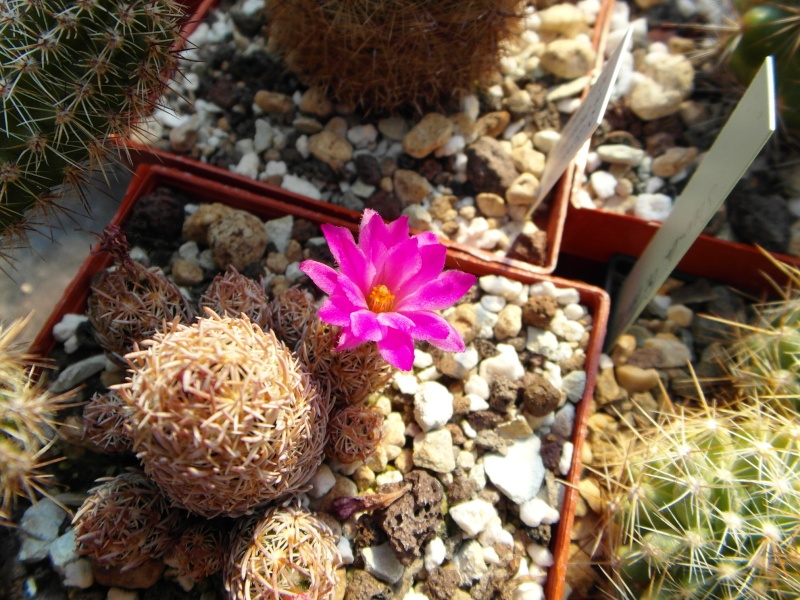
pixel 380 299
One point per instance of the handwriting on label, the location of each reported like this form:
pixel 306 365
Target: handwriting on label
pixel 739 142
pixel 582 124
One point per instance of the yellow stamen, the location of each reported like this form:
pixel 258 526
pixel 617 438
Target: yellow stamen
pixel 380 299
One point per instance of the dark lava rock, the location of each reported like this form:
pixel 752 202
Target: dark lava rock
pixel 539 396
pixel 156 216
pixel 489 167
pixel 762 220
pixel 368 168
pixel 503 393
pixel 539 311
pixel 363 586
pixel 531 248
pixel 385 204
pixel 442 583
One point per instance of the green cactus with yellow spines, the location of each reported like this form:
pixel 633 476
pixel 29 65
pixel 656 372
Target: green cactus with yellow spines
pixel 707 505
pixel 74 74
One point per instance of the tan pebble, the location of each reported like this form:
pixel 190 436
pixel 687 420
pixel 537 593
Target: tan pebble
pixel 294 251
pixel 387 185
pixel 405 461
pixel 307 125
pixel 528 160
pixel 364 477
pixel 109 378
pixel 523 189
pixel 590 492
pixel 330 148
pixel 378 460
pixel 673 161
pixel 568 58
pixel 410 186
pixel 195 227
pixel 273 102
pixel 623 348
pixel 581 508
pixel 681 314
pixel 492 124
pixel 277 262
pixel 581 575
pixel 491 205
pixel 564 19
pixel 337 125
pixel 341 584
pixel 394 128
pixel 237 240
pixel 587 456
pixel 431 133
pixel 464 126
pixel 315 102
pixel 186 272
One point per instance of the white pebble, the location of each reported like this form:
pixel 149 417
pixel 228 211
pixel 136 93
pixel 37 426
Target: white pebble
pixel 505 364
pixel 381 563
pixel 493 303
pixel 433 405
pixel 494 534
pixel 473 516
pixel 435 553
pixel 478 386
pixel 566 296
pixel 499 285
pixel 345 550
pixel 653 185
pixel 452 146
pixel 540 555
pixel 79 574
pixel 263 136
pixel 468 430
pixel 653 207
pixel 275 168
pixel 574 311
pixel 564 421
pixel 300 186
pixel 406 383
pixel 476 402
pixel 518 474
pixel 429 374
pixel 546 139
pixel 247 166
pixel 572 331
pixel 388 477
pixel 322 482
pixel 603 183
pixel 574 384
pixel 361 136
pixel 68 326
pixel 537 512
pixel 565 462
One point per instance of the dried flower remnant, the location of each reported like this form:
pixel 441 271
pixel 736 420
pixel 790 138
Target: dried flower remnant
pixel 388 288
pixel 287 554
pixel 224 418
pixel 345 507
pixel 232 294
pixel 125 521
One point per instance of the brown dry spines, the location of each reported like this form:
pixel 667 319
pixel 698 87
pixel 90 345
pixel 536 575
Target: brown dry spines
pixel 105 419
pixel 384 55
pixel 288 553
pixel 125 521
pixel 354 433
pixel 231 293
pixel 289 314
pixel 130 303
pixel 224 418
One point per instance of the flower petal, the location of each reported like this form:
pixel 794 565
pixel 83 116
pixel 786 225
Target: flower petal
pixel 427 325
pixel 438 294
pixel 431 258
pixel 333 313
pixel 348 341
pixel 397 348
pixel 396 321
pixel 352 262
pixel 320 274
pixel 364 324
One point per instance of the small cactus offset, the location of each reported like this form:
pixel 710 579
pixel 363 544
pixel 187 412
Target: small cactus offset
pixel 27 411
pixel 707 505
pixel 385 55
pixel 769 27
pixel 73 74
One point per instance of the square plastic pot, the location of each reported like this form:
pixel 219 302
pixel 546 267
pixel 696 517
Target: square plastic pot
pixel 201 190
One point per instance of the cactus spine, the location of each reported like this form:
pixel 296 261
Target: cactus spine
pixel 73 74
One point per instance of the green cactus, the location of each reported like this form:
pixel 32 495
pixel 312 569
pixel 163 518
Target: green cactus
pixel 73 75
pixel 707 505
pixel 769 27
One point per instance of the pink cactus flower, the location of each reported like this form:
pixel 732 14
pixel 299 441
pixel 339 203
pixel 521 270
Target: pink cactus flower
pixel 388 288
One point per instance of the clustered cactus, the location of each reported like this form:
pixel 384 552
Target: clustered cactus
pixel 708 506
pixel 74 74
pixel 769 27
pixel 388 54
pixel 27 431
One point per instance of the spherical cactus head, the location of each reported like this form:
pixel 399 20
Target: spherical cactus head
pixel 224 418
pixel 130 302
pixel 387 55
pixel 199 550
pixel 719 515
pixel 231 293
pixel 105 423
pixel 289 314
pixel 286 553
pixel 354 433
pixel 125 521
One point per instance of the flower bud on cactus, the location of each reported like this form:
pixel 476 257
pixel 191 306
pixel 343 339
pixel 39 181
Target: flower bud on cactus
pixel 708 506
pixel 73 74
pixel 131 302
pixel 231 293
pixel 286 554
pixel 26 416
pixel 386 54
pixel 224 418
pixel 125 522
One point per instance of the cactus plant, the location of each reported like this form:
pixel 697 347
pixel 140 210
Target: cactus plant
pixel 73 75
pixel 231 293
pixel 285 554
pixel 224 418
pixel 125 521
pixel 769 27
pixel 354 433
pixel 104 423
pixel 384 55
pixel 27 431
pixel 130 303
pixel 707 505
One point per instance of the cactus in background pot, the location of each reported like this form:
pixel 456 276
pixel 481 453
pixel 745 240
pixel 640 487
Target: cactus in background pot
pixel 73 74
pixel 769 27
pixel 224 418
pixel 387 54
pixel 27 410
pixel 707 505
